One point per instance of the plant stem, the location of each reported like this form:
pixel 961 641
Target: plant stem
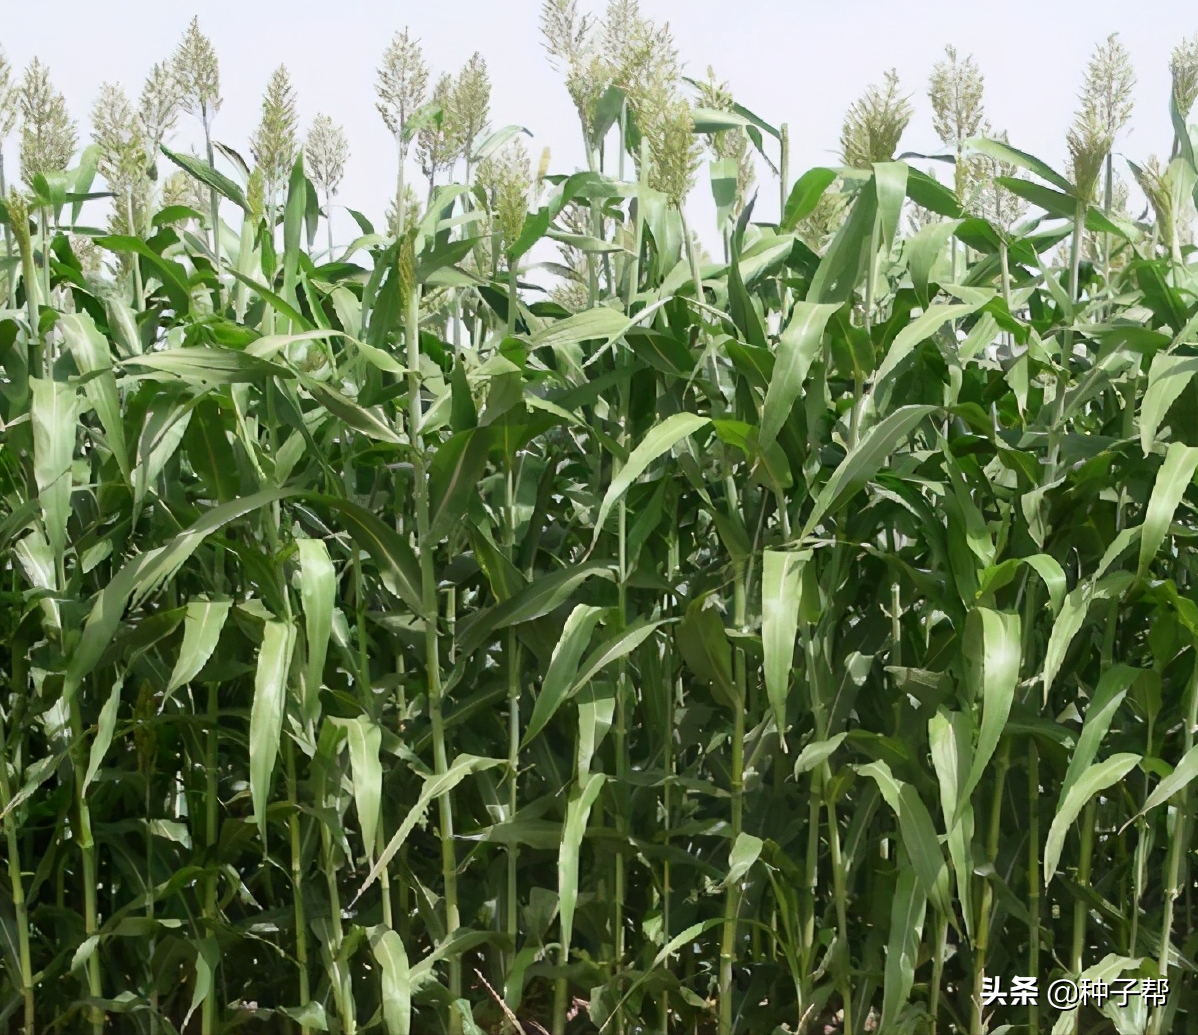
pixel 297 879
pixel 17 884
pixel 982 943
pixel 432 648
pixel 87 849
pixel 1033 876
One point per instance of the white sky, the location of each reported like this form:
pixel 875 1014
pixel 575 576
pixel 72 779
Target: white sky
pixel 798 62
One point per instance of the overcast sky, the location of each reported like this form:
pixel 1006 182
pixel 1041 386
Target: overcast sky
pixel 798 62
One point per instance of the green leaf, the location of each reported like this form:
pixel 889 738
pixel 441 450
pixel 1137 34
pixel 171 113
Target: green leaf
pixel 1168 377
pixel 434 787
pixel 1176 781
pixel 1001 654
pixel 89 349
pixel 798 347
pixel 563 668
pixel 209 367
pixel 660 440
pixel 817 753
pixel 862 463
pixel 388 950
pixel 918 330
pixel 266 713
pixel 744 853
pixel 318 591
pixel 210 177
pixel 454 473
pixel 923 251
pixel 1067 625
pixel 1097 777
pixel 364 738
pixel 907 910
pixel 202 625
pixel 1172 480
pixel 950 739
pixel 1013 156
pixel 398 567
pixel 105 727
pixel 781 593
pixel 706 650
pixel 54 410
pixel 1108 695
pixel 917 832
pixel 578 811
pixel 143 574
pixel 368 421
pixel 805 195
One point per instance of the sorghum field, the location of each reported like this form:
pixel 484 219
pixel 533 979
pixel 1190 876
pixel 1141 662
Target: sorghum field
pixel 411 634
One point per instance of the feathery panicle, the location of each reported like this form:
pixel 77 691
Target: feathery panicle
pixel 10 100
pixel 507 178
pixel 824 220
pixel 990 200
pixel 47 130
pixel 1159 184
pixel 1106 96
pixel 117 133
pixel 325 153
pixel 180 188
pixel 1183 70
pixel 728 143
pixel 874 124
pixel 440 142
pixel 955 90
pixel 197 71
pixel 411 213
pixel 402 83
pixel 471 101
pixel 569 40
pixel 640 54
pixel 674 151
pixel 1089 143
pixel 158 109
pixel 91 259
pixel 274 144
pixel 542 172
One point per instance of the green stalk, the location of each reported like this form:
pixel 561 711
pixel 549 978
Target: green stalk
pixel 208 1011
pixel 432 658
pixel 17 884
pixel 87 848
pixel 938 972
pixel 512 651
pixel 985 910
pixel 1033 875
pixel 297 881
pixel 840 892
pixel 733 895
pixel 1179 848
pixel 214 203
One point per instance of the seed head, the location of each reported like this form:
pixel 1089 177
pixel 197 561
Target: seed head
pixel 10 100
pixel 117 132
pixel 569 40
pixel 989 199
pixel 1106 97
pixel 274 145
pixel 874 124
pixel 1183 69
pixel 47 130
pixel 506 178
pixel 1089 144
pixel 158 110
pixel 674 151
pixel 439 143
pixel 1154 182
pixel 411 212
pixel 955 90
pixel 197 71
pixel 471 101
pixel 402 83
pixel 325 152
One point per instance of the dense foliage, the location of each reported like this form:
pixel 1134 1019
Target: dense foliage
pixel 794 640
